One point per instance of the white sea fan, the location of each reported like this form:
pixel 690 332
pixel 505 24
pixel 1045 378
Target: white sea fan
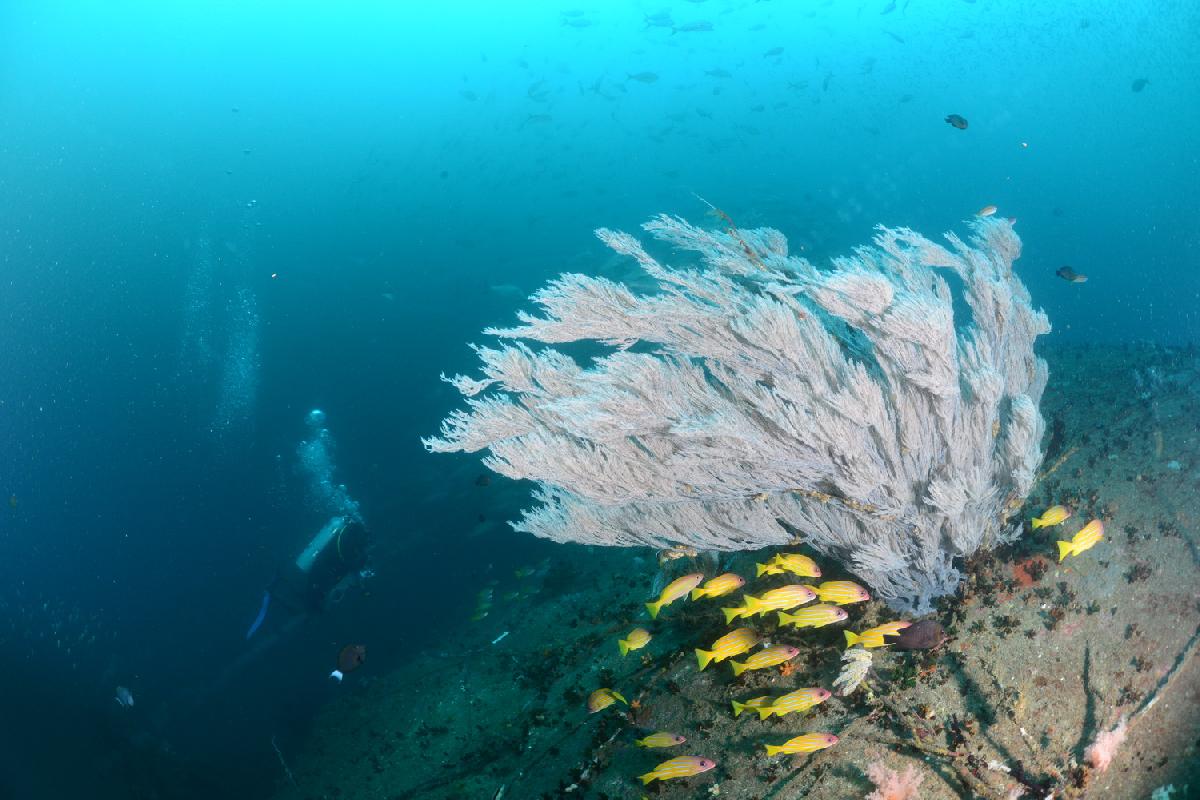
pixel 856 663
pixel 756 398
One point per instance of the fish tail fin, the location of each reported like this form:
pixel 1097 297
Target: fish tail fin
pixel 752 603
pixel 641 743
pixel 738 669
pixel 1037 523
pixel 704 657
pixel 852 638
pixel 764 711
pixel 738 708
pixel 617 695
pixel 731 614
pixel 786 618
pixel 697 593
pixel 649 776
pixel 773 749
pixel 759 569
pixel 653 609
pixel 624 645
pixel 1064 550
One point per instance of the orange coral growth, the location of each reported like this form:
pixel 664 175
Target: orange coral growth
pixel 1024 571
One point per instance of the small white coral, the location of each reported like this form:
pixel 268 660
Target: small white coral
pixel 893 785
pixel 856 663
pixel 1100 753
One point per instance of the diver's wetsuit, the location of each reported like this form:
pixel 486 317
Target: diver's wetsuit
pixel 306 584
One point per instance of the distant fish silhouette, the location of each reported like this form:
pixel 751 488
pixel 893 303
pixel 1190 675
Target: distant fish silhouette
pixel 1068 274
pixel 1139 84
pixel 957 121
pixel 350 659
pixel 124 697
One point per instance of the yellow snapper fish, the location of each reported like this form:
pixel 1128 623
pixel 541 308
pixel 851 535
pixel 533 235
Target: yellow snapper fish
pixel 675 589
pixel 738 611
pixel 731 644
pixel 799 700
pixel 602 699
pixel 840 592
pixel 780 599
pixel 661 739
pixel 720 585
pixel 879 636
pixel 794 563
pixel 635 640
pixel 808 743
pixel 1054 515
pixel 776 654
pixel 1086 539
pixel 816 616
pixel 753 702
pixel 679 767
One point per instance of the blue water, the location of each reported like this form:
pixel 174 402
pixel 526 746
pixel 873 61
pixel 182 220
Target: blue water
pixel 217 217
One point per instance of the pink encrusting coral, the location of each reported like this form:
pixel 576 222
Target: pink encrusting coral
pixel 893 785
pixel 1100 753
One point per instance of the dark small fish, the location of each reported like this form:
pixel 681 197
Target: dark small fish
pixel 483 480
pixel 924 635
pixel 774 51
pixel 692 27
pixel 1070 275
pixel 889 8
pixel 1139 84
pixel 350 659
pixel 660 20
pixel 643 77
pixel 906 98
pixel 718 73
pixel 894 36
pixel 957 121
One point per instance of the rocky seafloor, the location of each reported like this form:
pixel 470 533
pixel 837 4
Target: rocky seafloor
pixel 1043 656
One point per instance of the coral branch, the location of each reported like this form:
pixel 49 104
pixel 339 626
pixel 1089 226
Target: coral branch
pixel 755 399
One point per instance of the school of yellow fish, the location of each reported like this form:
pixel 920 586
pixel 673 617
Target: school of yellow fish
pixel 790 602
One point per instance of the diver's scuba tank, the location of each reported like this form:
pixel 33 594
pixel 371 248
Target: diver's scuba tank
pixel 332 559
pixel 335 556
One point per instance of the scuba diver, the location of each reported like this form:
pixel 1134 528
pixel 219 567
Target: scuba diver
pixel 334 560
